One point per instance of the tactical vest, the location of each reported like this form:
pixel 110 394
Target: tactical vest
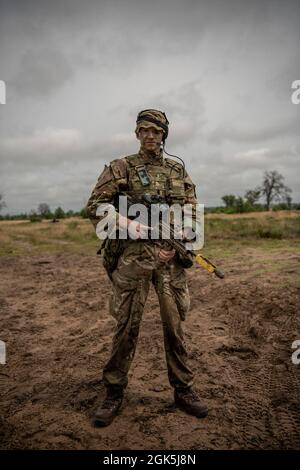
pixel 135 177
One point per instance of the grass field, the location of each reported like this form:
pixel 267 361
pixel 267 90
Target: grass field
pixel 272 238
pixel 267 231
pixel 77 234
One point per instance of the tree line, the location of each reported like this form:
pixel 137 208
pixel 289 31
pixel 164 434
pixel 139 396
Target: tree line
pixel 43 212
pixel 273 193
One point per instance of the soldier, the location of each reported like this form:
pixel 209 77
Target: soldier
pixel 133 264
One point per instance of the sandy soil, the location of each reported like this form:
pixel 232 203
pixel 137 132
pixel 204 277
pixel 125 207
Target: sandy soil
pixel 239 333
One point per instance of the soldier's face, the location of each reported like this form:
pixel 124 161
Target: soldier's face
pixel 150 138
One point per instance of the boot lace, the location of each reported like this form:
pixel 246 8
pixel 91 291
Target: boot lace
pixel 110 402
pixel 190 396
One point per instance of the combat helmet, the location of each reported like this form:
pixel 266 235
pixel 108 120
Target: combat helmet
pixel 153 118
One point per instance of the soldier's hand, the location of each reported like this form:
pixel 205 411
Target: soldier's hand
pixel 185 234
pixel 137 230
pixel 166 255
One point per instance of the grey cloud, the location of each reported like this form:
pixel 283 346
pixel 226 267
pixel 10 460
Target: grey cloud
pixel 114 58
pixel 58 166
pixel 120 35
pixel 184 107
pixel 52 148
pixel 41 72
pixel 229 162
pixel 256 132
pixel 229 171
pixel 172 15
pixel 281 83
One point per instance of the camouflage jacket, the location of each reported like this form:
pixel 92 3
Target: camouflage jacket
pixel 167 178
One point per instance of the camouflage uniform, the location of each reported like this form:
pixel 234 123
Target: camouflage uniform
pixel 139 265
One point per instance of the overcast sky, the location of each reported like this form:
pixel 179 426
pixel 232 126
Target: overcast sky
pixel 78 72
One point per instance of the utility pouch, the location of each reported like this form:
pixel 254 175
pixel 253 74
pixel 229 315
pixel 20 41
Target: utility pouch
pixel 112 252
pixel 175 189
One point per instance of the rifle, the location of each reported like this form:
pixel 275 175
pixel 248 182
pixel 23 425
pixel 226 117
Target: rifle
pixel 178 245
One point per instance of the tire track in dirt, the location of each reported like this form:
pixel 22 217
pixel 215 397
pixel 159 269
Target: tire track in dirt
pixel 270 418
pixel 284 417
pixel 238 332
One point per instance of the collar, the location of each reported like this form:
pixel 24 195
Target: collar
pixel 153 158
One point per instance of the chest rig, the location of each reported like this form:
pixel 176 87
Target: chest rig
pixel 135 176
pixel 164 178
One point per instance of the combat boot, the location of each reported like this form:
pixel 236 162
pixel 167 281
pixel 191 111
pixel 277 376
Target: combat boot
pixel 189 401
pixel 106 413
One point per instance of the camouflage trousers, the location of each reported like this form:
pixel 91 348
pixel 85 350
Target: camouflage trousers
pixel 138 266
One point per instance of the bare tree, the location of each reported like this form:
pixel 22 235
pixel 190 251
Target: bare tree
pixel 44 209
pixel 273 187
pixel 252 196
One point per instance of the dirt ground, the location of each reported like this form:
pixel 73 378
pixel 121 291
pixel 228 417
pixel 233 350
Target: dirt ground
pixel 239 333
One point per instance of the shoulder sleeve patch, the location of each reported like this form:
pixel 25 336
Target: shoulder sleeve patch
pixel 119 168
pixel 104 177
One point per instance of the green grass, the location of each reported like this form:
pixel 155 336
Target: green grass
pixel 25 238
pixel 247 247
pixel 223 237
pixel 257 228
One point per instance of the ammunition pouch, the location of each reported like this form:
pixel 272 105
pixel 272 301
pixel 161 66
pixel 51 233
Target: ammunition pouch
pixel 112 252
pixel 175 190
